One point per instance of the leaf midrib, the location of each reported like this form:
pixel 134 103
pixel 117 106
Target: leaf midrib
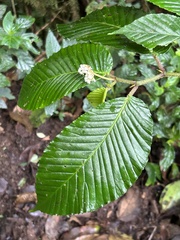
pixel 98 146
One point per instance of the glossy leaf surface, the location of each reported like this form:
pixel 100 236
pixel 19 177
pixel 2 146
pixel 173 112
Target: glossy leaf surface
pixel 153 30
pixel 97 96
pixel 96 26
pixel 170 5
pixel 58 76
pixel 96 158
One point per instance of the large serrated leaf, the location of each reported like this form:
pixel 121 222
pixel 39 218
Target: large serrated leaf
pixel 153 30
pixel 170 5
pixel 96 26
pixel 96 158
pixel 58 76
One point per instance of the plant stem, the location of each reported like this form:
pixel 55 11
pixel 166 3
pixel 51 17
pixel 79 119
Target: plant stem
pixel 114 78
pixel 148 80
pixel 172 74
pixel 47 24
pixel 160 66
pixel 133 90
pixel 14 9
pixel 141 82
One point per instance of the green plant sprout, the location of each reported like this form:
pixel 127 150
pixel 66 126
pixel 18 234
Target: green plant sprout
pixel 95 159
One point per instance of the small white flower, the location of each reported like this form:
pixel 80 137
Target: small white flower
pixel 88 73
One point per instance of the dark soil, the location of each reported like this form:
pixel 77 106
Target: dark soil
pixel 137 214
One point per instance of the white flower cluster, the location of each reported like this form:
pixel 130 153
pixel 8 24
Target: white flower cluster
pixel 88 73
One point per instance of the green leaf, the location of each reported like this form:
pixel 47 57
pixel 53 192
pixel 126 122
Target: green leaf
pixel 176 112
pixel 52 45
pixel 174 173
pixel 4 82
pixel 170 196
pixel 171 81
pixel 97 97
pixel 8 23
pixel 96 26
pixel 2 10
pixel 158 91
pixel 173 95
pixel 50 110
pixel 12 41
pixel 24 22
pixel 168 157
pixel 153 172
pixel 6 61
pixel 38 117
pixel 58 75
pixel 153 30
pixel 26 42
pixel 2 104
pixel 96 158
pixel 6 92
pixel 170 5
pixel 25 61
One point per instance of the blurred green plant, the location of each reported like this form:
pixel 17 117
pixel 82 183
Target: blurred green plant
pixel 95 4
pixel 164 99
pixel 170 196
pixel 16 49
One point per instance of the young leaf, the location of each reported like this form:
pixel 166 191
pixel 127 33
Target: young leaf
pixel 96 158
pixel 58 75
pixel 170 5
pixel 153 30
pixel 96 26
pixel 97 96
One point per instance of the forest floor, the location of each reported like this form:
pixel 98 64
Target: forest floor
pixel 137 215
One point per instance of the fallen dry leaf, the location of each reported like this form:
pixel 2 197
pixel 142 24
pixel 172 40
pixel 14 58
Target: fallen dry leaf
pixel 129 205
pixel 52 227
pixel 73 218
pixel 26 198
pixel 21 116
